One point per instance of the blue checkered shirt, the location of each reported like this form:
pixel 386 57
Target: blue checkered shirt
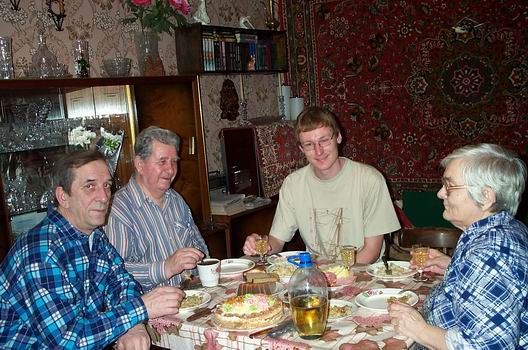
pixel 483 299
pixel 146 235
pixel 56 293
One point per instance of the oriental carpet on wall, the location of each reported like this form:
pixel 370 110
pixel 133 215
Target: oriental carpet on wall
pixel 411 81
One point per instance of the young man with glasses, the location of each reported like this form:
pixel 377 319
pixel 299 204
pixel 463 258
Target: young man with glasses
pixel 333 201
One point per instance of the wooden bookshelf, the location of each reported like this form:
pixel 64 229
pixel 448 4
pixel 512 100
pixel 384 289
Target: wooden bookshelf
pixel 215 49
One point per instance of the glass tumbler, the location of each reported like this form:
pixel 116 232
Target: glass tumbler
pixel 81 58
pixel 6 58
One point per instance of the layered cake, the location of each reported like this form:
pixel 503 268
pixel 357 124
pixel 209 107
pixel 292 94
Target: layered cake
pixel 248 311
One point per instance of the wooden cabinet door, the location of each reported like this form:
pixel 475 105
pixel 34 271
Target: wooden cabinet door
pixel 175 106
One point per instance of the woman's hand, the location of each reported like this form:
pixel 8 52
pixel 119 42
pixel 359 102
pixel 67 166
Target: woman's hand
pixel 437 262
pixel 406 320
pixel 409 322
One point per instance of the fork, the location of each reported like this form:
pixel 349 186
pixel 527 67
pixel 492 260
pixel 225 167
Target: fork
pixel 388 269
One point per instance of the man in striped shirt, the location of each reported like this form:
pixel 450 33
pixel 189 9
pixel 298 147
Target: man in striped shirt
pixel 150 224
pixel 63 285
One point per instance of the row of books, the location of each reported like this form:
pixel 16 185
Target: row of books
pixel 241 52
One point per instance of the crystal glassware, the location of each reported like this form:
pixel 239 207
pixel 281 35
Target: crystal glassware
pixel 348 255
pixel 261 247
pixel 6 58
pixel 81 58
pixel 44 61
pixel 419 254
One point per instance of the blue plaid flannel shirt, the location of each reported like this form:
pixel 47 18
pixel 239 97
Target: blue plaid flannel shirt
pixel 57 294
pixel 483 299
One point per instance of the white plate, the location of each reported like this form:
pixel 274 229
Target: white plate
pixel 206 298
pixel 341 303
pixel 376 299
pixel 337 287
pixel 235 266
pixel 284 278
pixel 282 256
pixel 378 270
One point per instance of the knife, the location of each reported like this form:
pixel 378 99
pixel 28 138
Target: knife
pixel 201 313
pixel 274 331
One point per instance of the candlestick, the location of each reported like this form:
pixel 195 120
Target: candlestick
pixel 57 17
pixel 242 97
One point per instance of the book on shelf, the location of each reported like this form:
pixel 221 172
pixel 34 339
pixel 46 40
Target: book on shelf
pixel 246 38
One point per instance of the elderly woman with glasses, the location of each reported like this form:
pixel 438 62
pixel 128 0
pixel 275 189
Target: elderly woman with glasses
pixel 482 302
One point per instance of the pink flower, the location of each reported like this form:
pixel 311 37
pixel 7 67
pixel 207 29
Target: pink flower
pixel 143 3
pixel 181 5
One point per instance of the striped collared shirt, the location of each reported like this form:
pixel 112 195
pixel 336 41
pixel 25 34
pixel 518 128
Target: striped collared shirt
pixel 145 234
pixel 57 293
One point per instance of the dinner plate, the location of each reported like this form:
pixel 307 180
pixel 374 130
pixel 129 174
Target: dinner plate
pixel 378 270
pixel 341 282
pixel 282 256
pixel 377 299
pixel 206 298
pixel 283 269
pixel 341 303
pixel 235 266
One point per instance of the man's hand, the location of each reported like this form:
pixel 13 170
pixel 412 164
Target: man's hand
pixel 275 245
pixel 136 338
pixel 182 259
pixel 163 301
pixel 250 244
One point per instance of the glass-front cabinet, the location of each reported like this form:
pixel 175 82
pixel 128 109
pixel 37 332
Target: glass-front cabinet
pixel 42 119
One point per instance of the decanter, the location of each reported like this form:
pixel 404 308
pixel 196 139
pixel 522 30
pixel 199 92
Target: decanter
pixel 44 61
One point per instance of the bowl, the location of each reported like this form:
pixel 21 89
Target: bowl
pixel 117 67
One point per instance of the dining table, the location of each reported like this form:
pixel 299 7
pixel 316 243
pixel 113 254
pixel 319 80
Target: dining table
pixel 365 328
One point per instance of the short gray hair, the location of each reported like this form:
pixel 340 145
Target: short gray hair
pixel 491 166
pixel 143 146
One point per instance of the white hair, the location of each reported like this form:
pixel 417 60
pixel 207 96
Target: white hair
pixel 491 166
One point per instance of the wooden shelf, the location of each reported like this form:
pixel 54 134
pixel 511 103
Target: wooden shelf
pixel 215 49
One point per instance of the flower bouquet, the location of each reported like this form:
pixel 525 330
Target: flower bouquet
pixel 110 146
pixel 157 15
pixel 80 136
pixel 154 17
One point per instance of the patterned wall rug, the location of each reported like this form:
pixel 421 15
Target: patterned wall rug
pixel 411 81
pixel 278 155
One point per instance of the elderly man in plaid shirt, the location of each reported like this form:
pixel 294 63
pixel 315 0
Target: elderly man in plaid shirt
pixel 63 285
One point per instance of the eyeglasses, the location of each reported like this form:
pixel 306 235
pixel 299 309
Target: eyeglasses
pixel 450 188
pixel 310 146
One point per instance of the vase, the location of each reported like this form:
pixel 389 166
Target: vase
pixel 149 60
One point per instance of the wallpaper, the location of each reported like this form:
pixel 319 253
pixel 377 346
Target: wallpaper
pixel 100 22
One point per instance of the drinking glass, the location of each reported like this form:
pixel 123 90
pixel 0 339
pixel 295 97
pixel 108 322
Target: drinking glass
pixel 261 246
pixel 348 255
pixel 6 58
pixel 419 254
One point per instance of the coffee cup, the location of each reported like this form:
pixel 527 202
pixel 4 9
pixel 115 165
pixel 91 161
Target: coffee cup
pixel 209 272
